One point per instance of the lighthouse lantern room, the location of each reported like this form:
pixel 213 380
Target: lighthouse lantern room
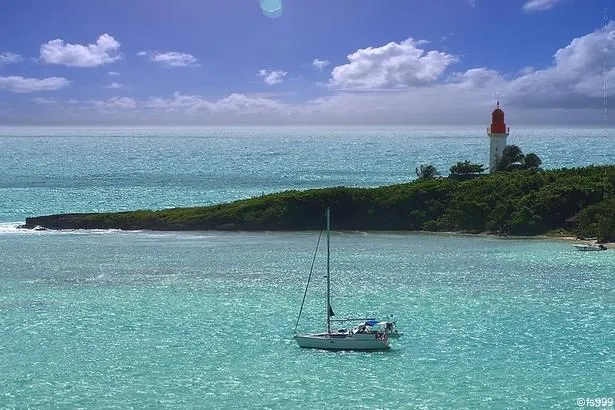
pixel 498 132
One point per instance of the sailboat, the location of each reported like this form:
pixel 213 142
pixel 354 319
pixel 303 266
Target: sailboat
pixel 370 335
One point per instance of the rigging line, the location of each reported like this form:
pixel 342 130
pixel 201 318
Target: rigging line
pixel 308 281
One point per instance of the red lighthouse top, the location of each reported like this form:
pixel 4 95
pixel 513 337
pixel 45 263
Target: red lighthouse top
pixel 497 121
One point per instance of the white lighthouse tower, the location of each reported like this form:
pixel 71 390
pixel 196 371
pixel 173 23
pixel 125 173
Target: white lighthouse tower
pixel 497 137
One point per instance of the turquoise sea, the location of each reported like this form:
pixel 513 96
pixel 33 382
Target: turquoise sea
pixel 112 319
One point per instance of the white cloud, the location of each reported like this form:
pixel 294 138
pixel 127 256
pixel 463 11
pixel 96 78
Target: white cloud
pixel 114 85
pixel 527 70
pixel 10 58
pixel 477 78
pixel 104 51
pixel 539 5
pixel 270 94
pixel 319 64
pixel 244 104
pixel 40 100
pixel 170 58
pixel 272 77
pixel 18 84
pixel 123 103
pixel 394 65
pixel 453 102
pixel 113 73
pixel 472 3
pixel 581 74
pixel 179 102
pixel 240 104
pixel 568 91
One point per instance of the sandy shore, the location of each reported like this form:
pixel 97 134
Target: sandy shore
pixel 609 245
pixel 567 238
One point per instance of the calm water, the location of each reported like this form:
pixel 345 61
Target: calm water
pixel 108 319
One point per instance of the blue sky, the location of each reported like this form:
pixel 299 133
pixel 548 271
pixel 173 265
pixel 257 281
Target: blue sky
pixel 346 62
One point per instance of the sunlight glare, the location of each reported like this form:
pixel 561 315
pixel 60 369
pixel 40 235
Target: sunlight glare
pixel 271 8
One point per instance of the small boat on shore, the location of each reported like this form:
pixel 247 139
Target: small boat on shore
pixel 589 247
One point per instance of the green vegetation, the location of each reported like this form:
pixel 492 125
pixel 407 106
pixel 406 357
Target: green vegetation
pixel 513 158
pixel 427 172
pixel 524 202
pixel 462 171
pixel 598 220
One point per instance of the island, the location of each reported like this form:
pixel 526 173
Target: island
pixel 578 201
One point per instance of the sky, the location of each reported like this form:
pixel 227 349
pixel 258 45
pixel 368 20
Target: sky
pixel 300 62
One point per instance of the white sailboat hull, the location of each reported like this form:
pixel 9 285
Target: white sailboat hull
pixel 369 336
pixel 343 341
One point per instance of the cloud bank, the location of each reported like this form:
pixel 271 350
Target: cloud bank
pixel 406 82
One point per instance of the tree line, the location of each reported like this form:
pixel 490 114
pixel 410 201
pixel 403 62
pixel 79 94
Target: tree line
pixel 512 159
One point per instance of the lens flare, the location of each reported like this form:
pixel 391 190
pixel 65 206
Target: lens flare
pixel 271 8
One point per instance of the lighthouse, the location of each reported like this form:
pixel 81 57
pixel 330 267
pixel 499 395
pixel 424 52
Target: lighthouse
pixel 498 132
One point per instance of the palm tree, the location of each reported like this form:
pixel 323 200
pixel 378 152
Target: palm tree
pixel 532 161
pixel 513 158
pixel 512 154
pixel 427 172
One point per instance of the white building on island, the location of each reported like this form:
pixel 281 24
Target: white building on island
pixel 498 132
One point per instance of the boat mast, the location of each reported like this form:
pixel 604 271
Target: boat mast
pixel 328 275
